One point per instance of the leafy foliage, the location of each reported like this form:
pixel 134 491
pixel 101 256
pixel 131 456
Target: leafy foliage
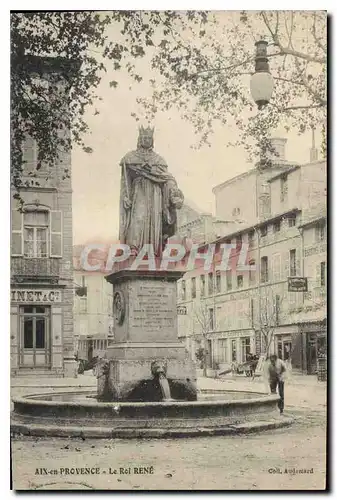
pixel 207 72
pixel 201 62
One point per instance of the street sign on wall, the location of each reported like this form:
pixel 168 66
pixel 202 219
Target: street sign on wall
pixel 297 284
pixel 182 310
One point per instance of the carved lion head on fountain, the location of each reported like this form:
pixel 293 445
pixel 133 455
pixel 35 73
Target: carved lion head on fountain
pixel 159 367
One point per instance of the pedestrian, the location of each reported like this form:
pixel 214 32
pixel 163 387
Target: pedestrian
pixel 249 358
pixel 276 370
pixel 255 361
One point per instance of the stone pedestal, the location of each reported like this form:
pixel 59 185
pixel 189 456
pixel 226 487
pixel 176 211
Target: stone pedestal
pixel 146 340
pixel 70 367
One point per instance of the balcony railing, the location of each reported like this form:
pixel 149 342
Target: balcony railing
pixel 25 270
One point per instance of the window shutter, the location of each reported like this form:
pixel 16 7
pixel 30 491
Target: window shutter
pixel 276 267
pixel 55 233
pixel 286 265
pixel 298 264
pixel 29 153
pixel 318 275
pixel 17 233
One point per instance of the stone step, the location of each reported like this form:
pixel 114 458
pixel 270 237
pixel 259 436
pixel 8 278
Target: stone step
pixel 36 373
pixel 18 429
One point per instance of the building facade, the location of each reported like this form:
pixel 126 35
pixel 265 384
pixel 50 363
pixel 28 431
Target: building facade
pixel 238 311
pixel 41 263
pixel 93 303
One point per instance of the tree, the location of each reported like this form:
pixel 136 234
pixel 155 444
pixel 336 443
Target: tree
pixel 266 317
pixel 204 317
pixel 200 63
pixel 80 43
pixel 207 74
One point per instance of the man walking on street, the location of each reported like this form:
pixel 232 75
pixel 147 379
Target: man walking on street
pixel 276 371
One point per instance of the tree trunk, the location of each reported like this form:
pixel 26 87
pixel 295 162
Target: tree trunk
pixel 205 364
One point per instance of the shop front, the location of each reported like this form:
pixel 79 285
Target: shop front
pixel 231 347
pixel 285 344
pixel 36 331
pixel 316 344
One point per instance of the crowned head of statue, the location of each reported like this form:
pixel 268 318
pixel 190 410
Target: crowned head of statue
pixel 145 138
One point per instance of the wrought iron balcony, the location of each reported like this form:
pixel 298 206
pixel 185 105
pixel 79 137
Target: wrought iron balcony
pixel 32 270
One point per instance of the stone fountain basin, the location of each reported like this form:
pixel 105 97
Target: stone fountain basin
pixel 78 414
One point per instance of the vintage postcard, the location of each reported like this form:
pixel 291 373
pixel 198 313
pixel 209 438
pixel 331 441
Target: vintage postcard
pixel 168 250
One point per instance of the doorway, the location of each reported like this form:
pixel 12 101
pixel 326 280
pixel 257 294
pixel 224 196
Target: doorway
pixel 35 337
pixel 90 350
pixel 284 347
pixel 315 346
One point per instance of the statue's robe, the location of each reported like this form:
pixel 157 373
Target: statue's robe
pixel 146 182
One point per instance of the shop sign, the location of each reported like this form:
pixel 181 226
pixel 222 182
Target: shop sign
pixel 36 296
pixel 296 284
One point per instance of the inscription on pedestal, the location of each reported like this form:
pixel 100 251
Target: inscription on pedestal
pixel 152 308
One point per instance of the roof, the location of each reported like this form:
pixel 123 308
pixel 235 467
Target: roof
pixel 232 179
pixel 193 206
pixel 253 227
pixel 284 164
pixel 288 170
pixel 313 220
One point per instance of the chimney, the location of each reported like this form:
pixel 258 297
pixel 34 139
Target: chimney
pixel 313 150
pixel 279 145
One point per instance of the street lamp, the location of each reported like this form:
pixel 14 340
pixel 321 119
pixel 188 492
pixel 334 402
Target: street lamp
pixel 261 83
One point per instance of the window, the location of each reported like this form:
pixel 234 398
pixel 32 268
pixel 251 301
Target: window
pixel 211 318
pixel 229 280
pixel 83 305
pixel 239 281
pixel 245 348
pixel 222 350
pixel 292 221
pixel 277 226
pixel 34 321
pixel 252 272
pixel 233 350
pixel 239 241
pixel 35 234
pixel 284 188
pixel 251 235
pixel 29 153
pixel 320 231
pixel 210 284
pixel 193 288
pixel 183 290
pixel 218 281
pixel 277 309
pixel 264 269
pixel 323 269
pixel 292 255
pixel 252 311
pixel 264 230
pixel 202 285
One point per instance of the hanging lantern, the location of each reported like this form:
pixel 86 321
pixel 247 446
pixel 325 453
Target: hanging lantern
pixel 261 83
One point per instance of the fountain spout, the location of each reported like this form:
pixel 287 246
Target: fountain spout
pixel 165 387
pixel 158 370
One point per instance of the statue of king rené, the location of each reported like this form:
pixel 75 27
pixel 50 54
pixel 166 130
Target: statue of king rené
pixel 149 197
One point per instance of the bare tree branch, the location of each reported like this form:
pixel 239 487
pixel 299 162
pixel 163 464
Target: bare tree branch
pixel 314 33
pixel 288 50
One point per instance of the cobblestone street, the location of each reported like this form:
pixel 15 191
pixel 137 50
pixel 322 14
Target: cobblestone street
pixel 256 461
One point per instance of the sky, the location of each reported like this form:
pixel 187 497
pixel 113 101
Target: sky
pixel 113 132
